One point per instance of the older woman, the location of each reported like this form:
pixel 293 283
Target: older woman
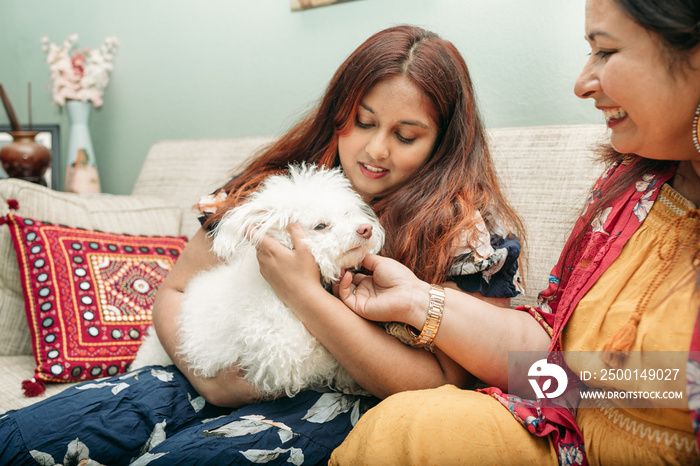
pixel 626 283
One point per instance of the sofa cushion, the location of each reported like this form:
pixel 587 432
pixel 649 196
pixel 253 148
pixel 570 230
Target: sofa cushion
pixel 182 171
pixel 546 173
pixel 88 295
pixel 14 371
pixel 138 215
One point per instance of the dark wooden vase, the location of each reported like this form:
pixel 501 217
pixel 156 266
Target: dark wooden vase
pixel 24 158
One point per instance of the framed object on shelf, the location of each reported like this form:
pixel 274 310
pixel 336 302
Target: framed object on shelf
pixel 297 5
pixel 49 137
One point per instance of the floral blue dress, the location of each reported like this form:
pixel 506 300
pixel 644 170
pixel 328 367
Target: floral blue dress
pixel 154 416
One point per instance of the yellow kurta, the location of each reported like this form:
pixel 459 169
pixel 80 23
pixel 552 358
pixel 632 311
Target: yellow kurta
pixel 451 426
pixel 651 436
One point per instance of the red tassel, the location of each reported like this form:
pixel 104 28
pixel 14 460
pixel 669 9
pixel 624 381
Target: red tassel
pixel 12 204
pixel 33 387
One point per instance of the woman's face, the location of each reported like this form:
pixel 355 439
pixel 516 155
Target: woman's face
pixel 648 106
pixel 391 138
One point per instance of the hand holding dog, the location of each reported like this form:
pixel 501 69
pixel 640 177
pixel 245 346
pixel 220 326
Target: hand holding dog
pixel 391 293
pixel 288 270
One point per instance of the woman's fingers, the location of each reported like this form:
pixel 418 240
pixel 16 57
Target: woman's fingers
pixel 296 232
pixel 267 243
pixel 270 245
pixel 346 286
pixel 371 261
pixel 358 277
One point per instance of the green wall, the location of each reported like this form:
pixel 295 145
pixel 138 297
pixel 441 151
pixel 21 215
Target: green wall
pixel 228 68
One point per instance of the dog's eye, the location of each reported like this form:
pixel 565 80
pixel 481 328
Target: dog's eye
pixel 320 226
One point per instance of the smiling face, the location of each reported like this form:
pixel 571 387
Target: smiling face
pixel 391 139
pixel 648 105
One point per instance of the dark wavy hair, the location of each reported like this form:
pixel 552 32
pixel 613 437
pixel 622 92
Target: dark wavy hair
pixel 676 22
pixel 426 218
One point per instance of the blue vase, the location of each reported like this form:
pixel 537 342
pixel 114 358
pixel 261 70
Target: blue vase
pixel 81 169
pixel 79 137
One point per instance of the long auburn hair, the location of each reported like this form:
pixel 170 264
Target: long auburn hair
pixel 425 219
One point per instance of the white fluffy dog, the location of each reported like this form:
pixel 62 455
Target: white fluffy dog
pixel 230 316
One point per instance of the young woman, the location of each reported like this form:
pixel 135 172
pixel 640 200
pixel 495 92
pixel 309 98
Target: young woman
pixel 626 285
pixel 399 117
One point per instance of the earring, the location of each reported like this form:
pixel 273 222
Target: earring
pixel 696 128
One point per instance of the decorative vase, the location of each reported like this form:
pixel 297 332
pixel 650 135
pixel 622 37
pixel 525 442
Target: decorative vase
pixel 81 168
pixel 25 158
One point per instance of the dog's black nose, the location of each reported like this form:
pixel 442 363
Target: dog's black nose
pixel 365 230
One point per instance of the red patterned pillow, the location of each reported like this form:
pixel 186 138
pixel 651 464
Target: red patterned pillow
pixel 88 295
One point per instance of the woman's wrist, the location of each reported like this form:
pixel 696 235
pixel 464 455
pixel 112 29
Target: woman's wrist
pixel 425 334
pixel 302 303
pixel 420 301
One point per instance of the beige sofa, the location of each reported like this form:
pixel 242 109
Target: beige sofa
pixel 545 172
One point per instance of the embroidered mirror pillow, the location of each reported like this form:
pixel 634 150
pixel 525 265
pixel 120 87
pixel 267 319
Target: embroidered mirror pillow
pixel 88 295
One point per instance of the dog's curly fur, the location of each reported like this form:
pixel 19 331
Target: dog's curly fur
pixel 230 316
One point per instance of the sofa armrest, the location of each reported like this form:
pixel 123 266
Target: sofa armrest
pixel 136 215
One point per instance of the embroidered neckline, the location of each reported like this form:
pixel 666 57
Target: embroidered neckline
pixel 674 200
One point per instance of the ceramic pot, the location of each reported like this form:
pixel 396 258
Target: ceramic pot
pixel 24 158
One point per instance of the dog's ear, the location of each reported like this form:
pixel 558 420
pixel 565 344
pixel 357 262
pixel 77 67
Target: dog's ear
pixel 242 225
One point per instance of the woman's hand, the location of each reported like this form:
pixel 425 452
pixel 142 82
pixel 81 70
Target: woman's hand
pixel 380 363
pixel 290 272
pixel 391 293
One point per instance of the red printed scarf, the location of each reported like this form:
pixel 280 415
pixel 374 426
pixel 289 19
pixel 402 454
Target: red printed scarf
pixel 601 246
